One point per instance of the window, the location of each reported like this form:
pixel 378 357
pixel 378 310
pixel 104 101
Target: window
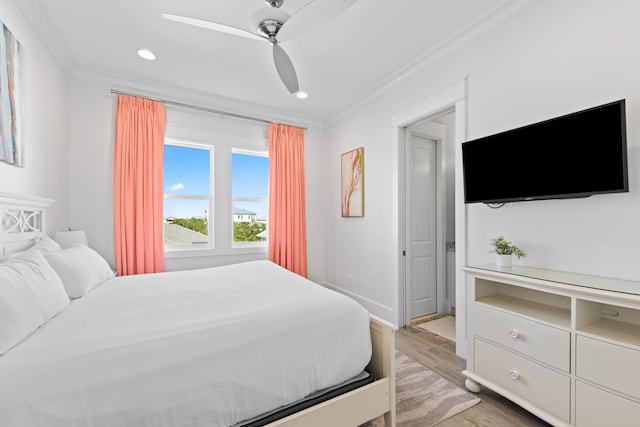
pixel 249 192
pixel 215 195
pixel 188 199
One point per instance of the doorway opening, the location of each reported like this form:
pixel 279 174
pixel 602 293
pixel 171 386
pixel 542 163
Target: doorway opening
pixel 449 99
pixel 428 152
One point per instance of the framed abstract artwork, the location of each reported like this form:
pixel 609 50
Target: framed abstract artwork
pixel 352 183
pixel 10 101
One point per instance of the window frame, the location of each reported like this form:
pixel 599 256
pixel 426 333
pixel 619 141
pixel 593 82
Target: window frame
pixel 222 145
pixel 210 245
pixel 243 245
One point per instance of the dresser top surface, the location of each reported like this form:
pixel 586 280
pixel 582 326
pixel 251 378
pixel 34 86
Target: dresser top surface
pixel 562 277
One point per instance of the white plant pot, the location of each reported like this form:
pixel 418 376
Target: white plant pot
pixel 503 260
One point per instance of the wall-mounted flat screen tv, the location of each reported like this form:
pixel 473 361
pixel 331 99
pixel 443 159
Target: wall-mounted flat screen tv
pixel 576 155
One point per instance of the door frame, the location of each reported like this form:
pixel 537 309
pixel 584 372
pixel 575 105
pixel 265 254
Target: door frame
pixel 436 133
pixel 451 98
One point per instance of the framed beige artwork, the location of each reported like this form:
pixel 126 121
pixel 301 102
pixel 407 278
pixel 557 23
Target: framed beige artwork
pixel 352 183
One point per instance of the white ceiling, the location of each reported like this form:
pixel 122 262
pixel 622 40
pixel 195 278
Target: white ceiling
pixel 371 44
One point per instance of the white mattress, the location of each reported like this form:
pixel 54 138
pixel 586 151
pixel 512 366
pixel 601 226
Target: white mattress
pixel 208 347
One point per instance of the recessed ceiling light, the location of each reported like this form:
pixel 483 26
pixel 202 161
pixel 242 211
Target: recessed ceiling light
pixel 146 54
pixel 302 94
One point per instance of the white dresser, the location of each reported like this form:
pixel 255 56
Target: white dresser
pixel 564 346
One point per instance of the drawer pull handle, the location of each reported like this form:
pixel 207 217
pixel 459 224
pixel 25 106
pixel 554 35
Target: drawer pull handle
pixel 514 374
pixel 514 333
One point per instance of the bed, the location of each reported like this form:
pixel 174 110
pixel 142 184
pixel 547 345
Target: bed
pixel 210 347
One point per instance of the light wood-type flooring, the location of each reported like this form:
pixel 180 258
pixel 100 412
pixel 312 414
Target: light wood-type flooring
pixel 439 355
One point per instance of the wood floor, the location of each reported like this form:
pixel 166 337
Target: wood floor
pixel 439 355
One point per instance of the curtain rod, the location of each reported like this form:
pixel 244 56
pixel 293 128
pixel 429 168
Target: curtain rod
pixel 205 109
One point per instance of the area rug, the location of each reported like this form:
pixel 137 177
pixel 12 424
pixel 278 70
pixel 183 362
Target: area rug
pixel 424 398
pixel 445 326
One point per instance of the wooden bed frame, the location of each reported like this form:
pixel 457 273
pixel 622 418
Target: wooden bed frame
pixel 365 403
pixel 22 220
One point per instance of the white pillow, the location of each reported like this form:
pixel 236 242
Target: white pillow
pixel 5 257
pixel 31 293
pixel 46 244
pixel 80 268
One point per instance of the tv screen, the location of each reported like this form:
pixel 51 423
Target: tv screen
pixel 576 155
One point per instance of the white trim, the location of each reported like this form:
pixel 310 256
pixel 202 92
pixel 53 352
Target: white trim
pixel 259 244
pixel 461 231
pixel 451 97
pixel 375 308
pixel 185 196
pixel 36 14
pixel 246 152
pixel 251 199
pixel 178 93
pixel 199 135
pixel 22 221
pixel 210 244
pixel 503 12
pixel 189 252
pixel 493 18
pixel 430 106
pixel 183 142
pixel 20 200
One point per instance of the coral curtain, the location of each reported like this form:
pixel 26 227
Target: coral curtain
pixel 138 195
pixel 287 212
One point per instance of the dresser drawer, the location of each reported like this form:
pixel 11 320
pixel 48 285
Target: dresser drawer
pixel 542 342
pixel 590 408
pixel 547 389
pixel 607 364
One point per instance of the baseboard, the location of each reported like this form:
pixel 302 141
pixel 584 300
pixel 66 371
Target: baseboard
pixel 375 308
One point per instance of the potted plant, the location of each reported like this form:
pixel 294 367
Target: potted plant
pixel 505 250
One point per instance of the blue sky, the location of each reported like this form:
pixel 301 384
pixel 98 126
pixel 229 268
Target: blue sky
pixel 249 176
pixel 187 171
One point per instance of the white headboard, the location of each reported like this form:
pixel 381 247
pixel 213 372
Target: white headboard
pixel 22 221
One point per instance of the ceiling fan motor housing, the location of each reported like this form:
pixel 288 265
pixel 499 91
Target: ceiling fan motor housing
pixel 274 3
pixel 267 21
pixel 269 28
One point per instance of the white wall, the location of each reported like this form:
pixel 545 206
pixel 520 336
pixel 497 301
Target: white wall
pixel 46 122
pixel 91 167
pixel 558 57
pixel 360 248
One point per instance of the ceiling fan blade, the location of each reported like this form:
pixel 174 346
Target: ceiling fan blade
pixel 212 26
pixel 311 16
pixel 285 69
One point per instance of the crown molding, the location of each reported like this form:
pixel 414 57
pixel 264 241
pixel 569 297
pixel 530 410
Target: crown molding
pixel 37 16
pixel 179 94
pixel 502 13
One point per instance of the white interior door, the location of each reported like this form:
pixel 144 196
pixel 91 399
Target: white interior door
pixel 421 225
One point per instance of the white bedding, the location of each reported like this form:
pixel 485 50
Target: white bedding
pixel 207 347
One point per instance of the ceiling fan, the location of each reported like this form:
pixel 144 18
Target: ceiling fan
pixel 274 25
